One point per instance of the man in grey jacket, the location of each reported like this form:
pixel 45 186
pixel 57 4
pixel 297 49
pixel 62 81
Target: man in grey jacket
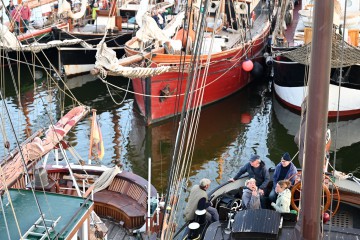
pixel 251 196
pixel 198 200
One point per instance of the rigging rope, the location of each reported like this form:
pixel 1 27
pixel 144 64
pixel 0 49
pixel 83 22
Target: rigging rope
pixel 25 169
pixel 191 121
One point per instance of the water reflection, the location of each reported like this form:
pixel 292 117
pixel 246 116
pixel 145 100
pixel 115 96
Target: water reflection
pixel 345 136
pixel 248 122
pixel 347 131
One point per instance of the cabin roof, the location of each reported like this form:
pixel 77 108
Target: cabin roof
pixel 52 205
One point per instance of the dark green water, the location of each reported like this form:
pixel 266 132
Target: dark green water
pixel 251 121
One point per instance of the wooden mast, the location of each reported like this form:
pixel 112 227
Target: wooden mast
pixel 318 97
pixel 279 29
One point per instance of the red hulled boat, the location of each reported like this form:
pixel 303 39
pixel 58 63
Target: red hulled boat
pixel 160 91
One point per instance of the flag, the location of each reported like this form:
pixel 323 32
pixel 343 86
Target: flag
pixel 96 141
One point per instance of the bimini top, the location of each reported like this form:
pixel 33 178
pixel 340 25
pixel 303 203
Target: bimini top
pixel 22 215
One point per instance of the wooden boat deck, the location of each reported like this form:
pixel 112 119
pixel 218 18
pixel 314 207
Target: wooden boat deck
pixel 116 231
pixel 236 37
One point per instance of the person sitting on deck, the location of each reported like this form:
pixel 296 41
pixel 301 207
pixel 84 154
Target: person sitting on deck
pixel 284 170
pixel 284 197
pixel 251 195
pixel 198 200
pixel 257 170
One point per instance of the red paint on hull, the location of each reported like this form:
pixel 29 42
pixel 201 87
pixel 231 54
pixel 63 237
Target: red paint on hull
pixel 225 77
pixel 36 33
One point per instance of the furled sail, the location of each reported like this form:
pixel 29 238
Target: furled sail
pixel 65 10
pixel 149 29
pixel 9 41
pixel 108 63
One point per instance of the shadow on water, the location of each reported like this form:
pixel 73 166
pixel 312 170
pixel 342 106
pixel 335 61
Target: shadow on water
pixel 229 132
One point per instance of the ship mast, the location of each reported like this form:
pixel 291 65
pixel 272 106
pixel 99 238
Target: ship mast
pixel 318 97
pixel 279 27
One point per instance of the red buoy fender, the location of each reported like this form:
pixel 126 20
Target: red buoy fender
pixel 248 65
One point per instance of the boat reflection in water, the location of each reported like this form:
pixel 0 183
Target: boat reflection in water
pixel 228 134
pixel 348 131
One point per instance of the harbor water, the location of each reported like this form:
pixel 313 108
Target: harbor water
pixel 251 121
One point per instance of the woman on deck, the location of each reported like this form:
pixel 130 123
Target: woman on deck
pixel 284 196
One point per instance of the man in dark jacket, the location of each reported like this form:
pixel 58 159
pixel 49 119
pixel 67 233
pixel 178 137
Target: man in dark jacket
pixel 256 169
pixel 284 170
pixel 10 8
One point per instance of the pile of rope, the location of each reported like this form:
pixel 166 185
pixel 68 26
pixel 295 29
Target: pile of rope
pixel 342 53
pixel 108 64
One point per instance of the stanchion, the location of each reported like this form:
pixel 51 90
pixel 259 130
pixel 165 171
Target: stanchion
pixel 200 216
pixel 194 231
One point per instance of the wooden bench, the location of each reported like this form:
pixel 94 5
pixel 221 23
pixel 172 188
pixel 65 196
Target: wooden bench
pixel 124 200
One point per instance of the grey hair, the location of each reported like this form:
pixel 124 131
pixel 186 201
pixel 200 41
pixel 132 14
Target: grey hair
pixel 250 180
pixel 204 182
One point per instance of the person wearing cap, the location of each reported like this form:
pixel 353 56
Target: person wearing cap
pixel 198 200
pixel 257 170
pixel 284 170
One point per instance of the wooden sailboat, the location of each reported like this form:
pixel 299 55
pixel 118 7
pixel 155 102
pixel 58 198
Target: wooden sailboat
pixel 291 49
pixel 107 26
pixel 74 189
pixel 110 26
pixel 223 38
pixel 118 196
pixel 27 217
pixel 37 42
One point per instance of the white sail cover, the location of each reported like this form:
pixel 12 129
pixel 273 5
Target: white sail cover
pixel 143 8
pixel 9 41
pixel 108 63
pixel 151 31
pixel 65 9
pixel 172 27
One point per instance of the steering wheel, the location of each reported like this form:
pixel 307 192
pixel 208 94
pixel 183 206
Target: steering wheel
pixel 326 195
